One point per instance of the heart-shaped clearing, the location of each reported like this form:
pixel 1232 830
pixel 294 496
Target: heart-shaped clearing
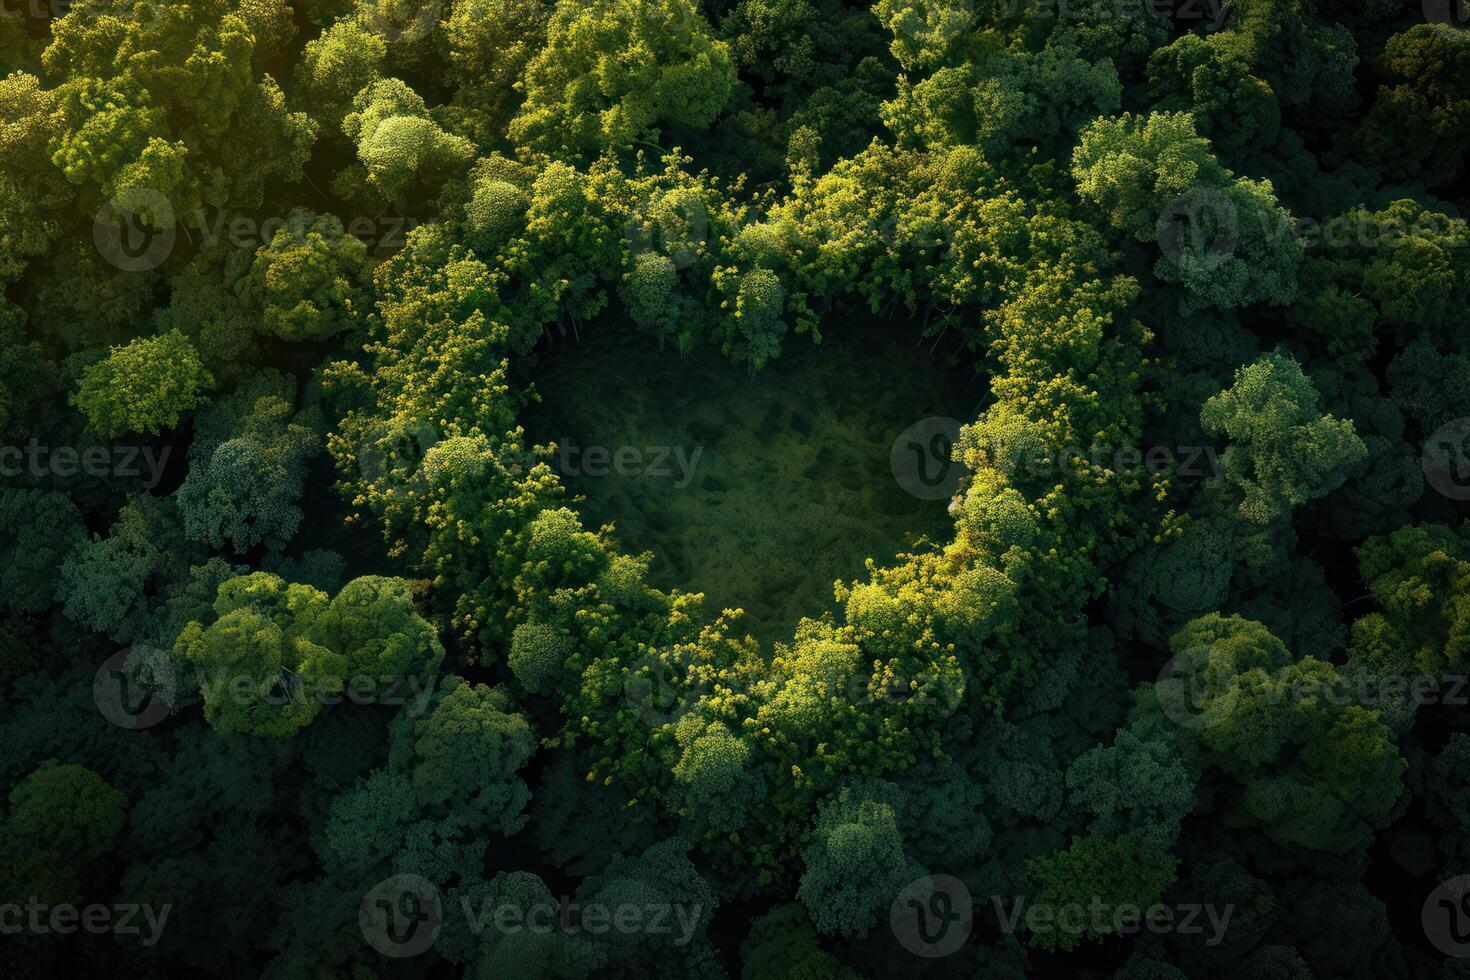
pixel 759 492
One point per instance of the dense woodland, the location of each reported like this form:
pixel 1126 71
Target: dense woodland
pixel 317 661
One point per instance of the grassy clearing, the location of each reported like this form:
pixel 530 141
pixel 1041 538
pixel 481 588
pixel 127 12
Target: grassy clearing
pixel 758 492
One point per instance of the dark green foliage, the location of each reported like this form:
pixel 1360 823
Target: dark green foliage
pixel 144 387
pixel 62 819
pixel 854 865
pixel 1117 871
pixel 847 667
pixel 1282 453
pixel 39 530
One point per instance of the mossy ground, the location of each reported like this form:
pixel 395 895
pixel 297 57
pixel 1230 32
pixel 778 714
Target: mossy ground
pixel 759 492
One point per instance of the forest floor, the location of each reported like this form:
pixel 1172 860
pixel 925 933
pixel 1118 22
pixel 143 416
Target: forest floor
pixel 759 492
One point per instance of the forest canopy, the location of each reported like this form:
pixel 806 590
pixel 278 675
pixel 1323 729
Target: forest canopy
pixel 734 488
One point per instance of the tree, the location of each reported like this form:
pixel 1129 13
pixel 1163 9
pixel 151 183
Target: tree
pixel 336 65
pixel 464 754
pixel 552 952
pixel 1446 794
pixel 1282 452
pixel 169 100
pixel 1388 273
pixel 1114 872
pixel 715 780
pixel 661 876
pixel 203 306
pixel 1134 788
pixel 1420 577
pixel 63 819
pixel 401 148
pixel 928 34
pixel 244 490
pixel 491 42
pixel 1133 167
pixel 758 303
pixel 368 825
pixel 372 624
pixel 255 663
pixel 1225 239
pixel 38 530
pixel 1431 388
pixel 1234 108
pixel 651 292
pixel 1042 99
pixel 1416 128
pixel 1287 44
pixel 278 652
pixel 30 188
pixel 1310 770
pixel 143 387
pixel 854 865
pixel 308 281
pixel 657 65
pixel 495 214
pixel 108 584
pixel 782 943
pixel 537 655
pixel 819 62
